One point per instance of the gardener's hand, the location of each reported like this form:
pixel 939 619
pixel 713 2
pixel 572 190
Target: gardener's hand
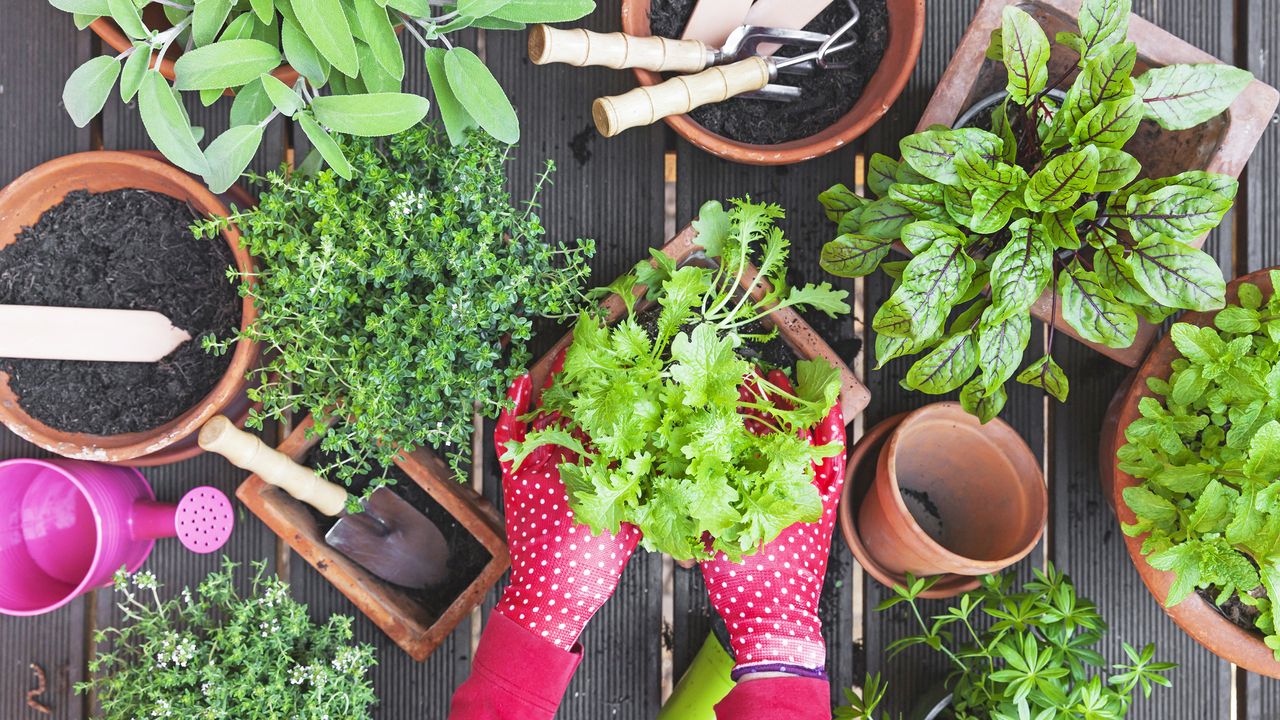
pixel 769 601
pixel 561 574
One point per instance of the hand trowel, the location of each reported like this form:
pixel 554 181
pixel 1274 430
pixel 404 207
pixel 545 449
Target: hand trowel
pixel 59 333
pixel 389 538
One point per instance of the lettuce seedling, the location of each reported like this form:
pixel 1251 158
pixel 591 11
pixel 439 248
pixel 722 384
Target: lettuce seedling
pixel 1043 196
pixel 668 450
pixel 1207 450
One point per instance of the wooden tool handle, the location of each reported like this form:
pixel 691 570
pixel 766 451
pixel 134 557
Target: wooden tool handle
pixel 247 451
pixel 647 105
pixel 616 50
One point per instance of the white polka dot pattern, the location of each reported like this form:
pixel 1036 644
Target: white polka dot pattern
pixel 769 601
pixel 560 573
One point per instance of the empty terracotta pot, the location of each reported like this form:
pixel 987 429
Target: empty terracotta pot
pixel 906 30
pixel 953 496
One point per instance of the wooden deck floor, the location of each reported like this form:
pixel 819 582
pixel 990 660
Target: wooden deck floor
pixel 630 193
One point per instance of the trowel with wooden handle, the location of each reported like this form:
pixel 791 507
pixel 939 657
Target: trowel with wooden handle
pixel 59 333
pixel 389 538
pixel 713 20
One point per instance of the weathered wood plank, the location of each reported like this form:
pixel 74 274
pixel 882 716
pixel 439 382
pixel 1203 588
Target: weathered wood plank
pixel 39 48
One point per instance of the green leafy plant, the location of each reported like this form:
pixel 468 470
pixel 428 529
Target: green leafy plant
pixel 217 654
pixel 348 48
pixel 1020 655
pixel 1207 450
pixel 1044 198
pixel 659 399
pixel 397 304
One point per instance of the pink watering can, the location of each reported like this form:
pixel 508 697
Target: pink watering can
pixel 66 526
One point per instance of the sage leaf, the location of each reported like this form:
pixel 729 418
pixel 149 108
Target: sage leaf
pixel 325 145
pixel 372 115
pixel 126 15
pixel 1116 169
pixel 167 125
pixel 225 64
pixel 1047 375
pixel 83 21
pixel 920 236
pixel 207 19
pixel 946 367
pixel 87 89
pixel 1020 270
pixel 479 8
pixel 380 34
pixel 1026 55
pixel 264 9
pixel 326 27
pixel 251 105
pixel 412 8
pixel 838 200
pixel 933 153
pixel 282 96
pixel 302 55
pixel 96 8
pixel 885 219
pixel 544 11
pixel 1177 275
pixel 1059 184
pixel 135 66
pixel 926 202
pixel 985 404
pixel 1093 311
pixel 1000 346
pixel 1109 125
pixel 457 121
pixel 373 76
pixel 881 173
pixel 1179 97
pixel 240 28
pixel 483 98
pixel 230 153
pixel 853 255
pixel 1181 212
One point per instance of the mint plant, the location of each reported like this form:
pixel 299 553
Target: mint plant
pixel 1207 452
pixel 348 47
pixel 1019 655
pixel 1045 197
pixel 214 653
pixel 659 400
pixel 398 304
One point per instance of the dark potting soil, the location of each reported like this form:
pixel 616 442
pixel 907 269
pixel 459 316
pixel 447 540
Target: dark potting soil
pixel 771 354
pixel 467 557
pixel 128 250
pixel 826 95
pixel 1240 615
pixel 925 512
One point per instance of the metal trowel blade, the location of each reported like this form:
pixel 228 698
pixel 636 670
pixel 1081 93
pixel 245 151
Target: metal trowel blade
pixel 393 540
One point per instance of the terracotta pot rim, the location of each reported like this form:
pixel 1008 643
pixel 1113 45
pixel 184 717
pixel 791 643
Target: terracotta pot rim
pixel 866 111
pixel 951 408
pixel 1195 616
pixel 111 34
pixel 129 446
pixel 869 447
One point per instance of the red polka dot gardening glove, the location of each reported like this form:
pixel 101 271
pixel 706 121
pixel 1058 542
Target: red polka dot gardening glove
pixel 769 601
pixel 561 574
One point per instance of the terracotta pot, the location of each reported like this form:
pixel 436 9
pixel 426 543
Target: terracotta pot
pixel 153 15
pixel 979 496
pixel 406 622
pixel 23 202
pixel 1222 145
pixel 803 340
pixel 1195 616
pixel 906 30
pixel 1106 440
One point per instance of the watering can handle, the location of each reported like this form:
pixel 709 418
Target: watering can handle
pixel 679 95
pixel 581 47
pixel 246 450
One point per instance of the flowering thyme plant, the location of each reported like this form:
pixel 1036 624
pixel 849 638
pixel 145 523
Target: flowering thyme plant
pixel 215 655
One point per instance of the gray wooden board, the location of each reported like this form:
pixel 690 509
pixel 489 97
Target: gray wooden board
pixel 39 47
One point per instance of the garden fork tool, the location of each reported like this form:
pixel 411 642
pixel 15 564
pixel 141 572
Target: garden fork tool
pixel 389 538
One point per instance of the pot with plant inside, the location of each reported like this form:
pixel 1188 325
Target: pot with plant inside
pixel 1014 653
pixel 1043 212
pixel 398 304
pixel 688 346
pixel 112 231
pixel 1195 474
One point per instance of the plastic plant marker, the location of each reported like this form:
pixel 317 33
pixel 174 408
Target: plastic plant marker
pixel 713 20
pixel 791 14
pixel 58 333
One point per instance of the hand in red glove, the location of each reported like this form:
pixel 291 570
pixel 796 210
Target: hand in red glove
pixel 561 574
pixel 769 601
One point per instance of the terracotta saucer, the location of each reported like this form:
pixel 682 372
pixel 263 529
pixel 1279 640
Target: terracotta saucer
pixel 859 474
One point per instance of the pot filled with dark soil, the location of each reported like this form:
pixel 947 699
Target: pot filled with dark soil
pixel 835 106
pixel 952 496
pixel 417 620
pixel 113 230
